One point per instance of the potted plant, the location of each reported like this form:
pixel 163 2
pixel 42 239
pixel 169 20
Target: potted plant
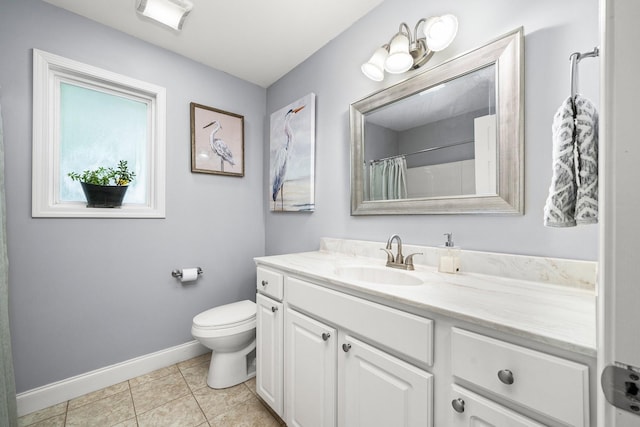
pixel 104 187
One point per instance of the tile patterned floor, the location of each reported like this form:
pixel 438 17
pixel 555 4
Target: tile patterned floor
pixel 176 396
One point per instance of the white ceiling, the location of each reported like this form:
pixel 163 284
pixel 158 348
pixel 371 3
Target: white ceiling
pixel 255 40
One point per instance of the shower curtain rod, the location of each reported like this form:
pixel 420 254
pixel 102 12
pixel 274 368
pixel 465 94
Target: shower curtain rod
pixel 575 58
pixel 421 151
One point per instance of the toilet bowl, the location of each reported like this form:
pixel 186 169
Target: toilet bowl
pixel 230 332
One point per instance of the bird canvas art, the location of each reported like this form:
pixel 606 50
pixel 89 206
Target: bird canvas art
pixel 292 157
pixel 217 141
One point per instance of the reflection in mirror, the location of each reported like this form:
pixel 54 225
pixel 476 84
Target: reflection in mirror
pixel 448 140
pixel 438 142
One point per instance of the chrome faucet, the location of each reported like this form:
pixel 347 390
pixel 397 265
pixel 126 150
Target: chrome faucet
pixel 398 261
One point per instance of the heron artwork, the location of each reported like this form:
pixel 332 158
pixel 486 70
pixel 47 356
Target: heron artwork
pixel 282 158
pixel 218 146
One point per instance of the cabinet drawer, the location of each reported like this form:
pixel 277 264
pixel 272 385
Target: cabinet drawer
pixel 270 283
pixel 546 384
pixel 402 332
pixel 469 409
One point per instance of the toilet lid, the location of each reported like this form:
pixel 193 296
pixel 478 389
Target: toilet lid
pixel 226 315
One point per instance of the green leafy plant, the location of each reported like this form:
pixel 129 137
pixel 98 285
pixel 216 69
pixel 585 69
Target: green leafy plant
pixel 104 176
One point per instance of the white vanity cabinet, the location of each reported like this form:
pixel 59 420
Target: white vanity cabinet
pixel 336 371
pixel 269 339
pixel 331 356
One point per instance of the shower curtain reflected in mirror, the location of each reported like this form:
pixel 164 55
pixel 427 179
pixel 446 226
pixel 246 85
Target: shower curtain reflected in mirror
pixel 8 415
pixel 388 179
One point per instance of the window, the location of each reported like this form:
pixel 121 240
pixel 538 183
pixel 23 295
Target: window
pixel 85 117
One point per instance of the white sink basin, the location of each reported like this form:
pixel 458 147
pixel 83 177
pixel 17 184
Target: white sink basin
pixel 380 275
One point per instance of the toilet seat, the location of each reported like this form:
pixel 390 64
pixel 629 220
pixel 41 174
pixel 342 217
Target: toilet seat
pixel 238 314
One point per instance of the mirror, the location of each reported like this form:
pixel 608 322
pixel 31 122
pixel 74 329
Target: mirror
pixel 446 141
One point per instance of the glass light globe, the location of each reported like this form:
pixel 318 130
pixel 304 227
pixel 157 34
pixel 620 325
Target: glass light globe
pixel 374 68
pixel 399 59
pixel 440 31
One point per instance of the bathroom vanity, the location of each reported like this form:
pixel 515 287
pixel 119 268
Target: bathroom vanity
pixel 343 340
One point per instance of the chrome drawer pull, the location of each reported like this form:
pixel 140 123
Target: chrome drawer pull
pixel 346 347
pixel 326 336
pixel 458 405
pixel 505 376
pixel 274 309
pixel 265 282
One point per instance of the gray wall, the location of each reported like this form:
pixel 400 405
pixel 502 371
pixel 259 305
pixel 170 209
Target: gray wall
pixel 87 293
pixel 381 142
pixel 440 134
pixel 553 30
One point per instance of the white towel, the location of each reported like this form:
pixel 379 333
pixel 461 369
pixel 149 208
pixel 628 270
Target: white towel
pixel 560 208
pixel 587 145
pixel 573 194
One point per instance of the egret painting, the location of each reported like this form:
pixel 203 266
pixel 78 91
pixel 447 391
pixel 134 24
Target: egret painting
pixel 217 141
pixel 292 157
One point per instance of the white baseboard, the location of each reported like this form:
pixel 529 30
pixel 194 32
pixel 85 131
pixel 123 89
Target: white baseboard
pixel 70 388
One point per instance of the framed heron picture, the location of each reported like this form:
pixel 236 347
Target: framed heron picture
pixel 217 141
pixel 292 156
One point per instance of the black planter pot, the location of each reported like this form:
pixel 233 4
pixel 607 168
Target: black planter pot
pixel 104 196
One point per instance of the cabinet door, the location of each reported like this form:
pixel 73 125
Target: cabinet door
pixel 269 348
pixel 470 410
pixel 310 371
pixel 377 389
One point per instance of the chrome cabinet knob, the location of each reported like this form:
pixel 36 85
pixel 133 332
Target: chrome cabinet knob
pixel 265 282
pixel 346 347
pixel 274 309
pixel 326 336
pixel 506 376
pixel 458 405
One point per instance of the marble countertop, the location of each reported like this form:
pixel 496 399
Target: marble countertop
pixel 555 314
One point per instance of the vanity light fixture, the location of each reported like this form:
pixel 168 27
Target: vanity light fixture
pixel 171 13
pixel 406 51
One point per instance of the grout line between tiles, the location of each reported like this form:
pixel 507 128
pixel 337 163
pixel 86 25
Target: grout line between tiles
pixel 194 396
pixel 66 413
pixel 200 407
pixel 133 402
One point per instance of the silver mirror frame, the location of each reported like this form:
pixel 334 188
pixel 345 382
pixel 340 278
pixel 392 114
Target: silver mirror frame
pixel 508 56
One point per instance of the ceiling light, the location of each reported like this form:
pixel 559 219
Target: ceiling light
pixel 406 51
pixel 168 12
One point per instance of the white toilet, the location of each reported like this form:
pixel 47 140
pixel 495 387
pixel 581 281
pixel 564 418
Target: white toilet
pixel 230 331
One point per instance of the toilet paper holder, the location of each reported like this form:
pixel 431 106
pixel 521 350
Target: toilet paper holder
pixel 178 273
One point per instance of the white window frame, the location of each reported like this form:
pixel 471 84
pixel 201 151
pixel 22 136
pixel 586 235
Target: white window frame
pixel 49 71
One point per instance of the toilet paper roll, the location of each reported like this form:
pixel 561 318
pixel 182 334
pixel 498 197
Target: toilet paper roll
pixel 189 274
